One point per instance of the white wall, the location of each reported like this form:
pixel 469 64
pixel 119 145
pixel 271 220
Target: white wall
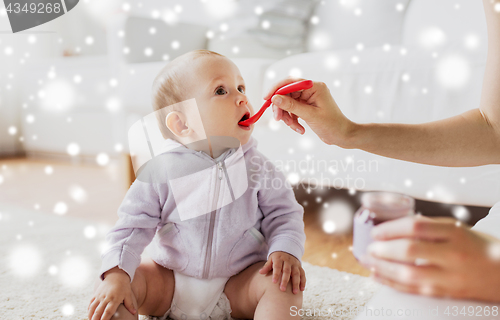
pixel 15 52
pixel 42 42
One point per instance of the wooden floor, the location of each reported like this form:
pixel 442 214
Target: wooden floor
pixel 89 191
pixel 94 193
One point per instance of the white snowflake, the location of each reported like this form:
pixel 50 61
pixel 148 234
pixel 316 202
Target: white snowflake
pixel 113 82
pixel 25 260
pixel 12 130
pixel 77 78
pixel 118 147
pixel 329 226
pixel 293 178
pixel 89 40
pixel 337 216
pixel 75 272
pixel 102 159
pixel 148 52
pixel 432 37
pixel 60 208
pixel 221 9
pixel 90 232
pixel 113 104
pixel 453 72
pixel 77 193
pixel 68 310
pixel 49 170
pixel 295 72
pixel 471 41
pixel 461 213
pixel 73 149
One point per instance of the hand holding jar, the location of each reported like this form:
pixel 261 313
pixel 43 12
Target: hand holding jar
pixel 436 257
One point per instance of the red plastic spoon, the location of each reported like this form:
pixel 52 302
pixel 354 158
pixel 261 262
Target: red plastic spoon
pixel 289 88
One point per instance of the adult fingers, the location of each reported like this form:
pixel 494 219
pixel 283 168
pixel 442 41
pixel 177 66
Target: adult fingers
pixel 414 227
pixel 287 270
pixel 291 105
pixel 278 85
pixel 277 113
pixel 277 266
pixel 286 117
pixel 413 289
pixel 292 121
pixel 406 274
pixel 295 125
pixel 296 94
pixel 411 251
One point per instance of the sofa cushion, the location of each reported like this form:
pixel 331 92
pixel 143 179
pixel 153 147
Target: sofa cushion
pixel 344 24
pixel 150 40
pixel 437 24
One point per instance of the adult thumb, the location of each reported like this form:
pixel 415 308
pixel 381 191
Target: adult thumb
pixel 291 105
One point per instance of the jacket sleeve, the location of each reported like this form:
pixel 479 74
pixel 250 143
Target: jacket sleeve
pixel 282 225
pixel 139 215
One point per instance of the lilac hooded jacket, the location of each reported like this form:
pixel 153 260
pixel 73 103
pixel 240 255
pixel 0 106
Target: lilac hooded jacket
pixel 205 217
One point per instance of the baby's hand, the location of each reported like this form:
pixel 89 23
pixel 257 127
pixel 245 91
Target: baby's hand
pixel 288 265
pixel 114 290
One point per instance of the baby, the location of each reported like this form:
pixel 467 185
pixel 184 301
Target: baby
pixel 223 229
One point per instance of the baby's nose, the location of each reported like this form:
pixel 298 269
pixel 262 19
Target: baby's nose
pixel 242 100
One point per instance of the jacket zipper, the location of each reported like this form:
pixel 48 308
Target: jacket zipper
pixel 220 176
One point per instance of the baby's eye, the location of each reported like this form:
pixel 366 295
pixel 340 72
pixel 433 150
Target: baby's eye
pixel 220 91
pixel 241 89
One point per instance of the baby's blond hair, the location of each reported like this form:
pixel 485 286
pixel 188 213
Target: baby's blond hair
pixel 168 90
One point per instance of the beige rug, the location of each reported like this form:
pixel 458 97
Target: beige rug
pixel 48 264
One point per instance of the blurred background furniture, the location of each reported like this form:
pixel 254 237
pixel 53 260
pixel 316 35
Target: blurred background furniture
pixel 72 93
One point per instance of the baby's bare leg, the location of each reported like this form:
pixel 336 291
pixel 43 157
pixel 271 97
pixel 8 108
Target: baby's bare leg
pixel 254 296
pixel 153 288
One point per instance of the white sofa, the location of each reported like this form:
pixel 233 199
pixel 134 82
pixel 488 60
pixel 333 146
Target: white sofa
pixel 399 47
pixel 434 72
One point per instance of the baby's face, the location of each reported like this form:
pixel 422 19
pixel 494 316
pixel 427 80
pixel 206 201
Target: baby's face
pixel 219 90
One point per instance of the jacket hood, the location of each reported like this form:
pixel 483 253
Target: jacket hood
pixel 218 142
pixel 177 159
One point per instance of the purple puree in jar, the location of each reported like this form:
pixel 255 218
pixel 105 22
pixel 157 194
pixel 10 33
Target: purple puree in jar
pixel 377 207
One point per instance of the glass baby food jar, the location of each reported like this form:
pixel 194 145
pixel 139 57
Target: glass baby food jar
pixel 377 207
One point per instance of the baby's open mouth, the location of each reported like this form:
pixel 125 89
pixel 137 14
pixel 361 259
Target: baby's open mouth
pixel 245 117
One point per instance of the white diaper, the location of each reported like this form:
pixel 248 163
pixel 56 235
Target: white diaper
pixel 198 299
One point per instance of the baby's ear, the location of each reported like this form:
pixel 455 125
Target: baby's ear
pixel 176 123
